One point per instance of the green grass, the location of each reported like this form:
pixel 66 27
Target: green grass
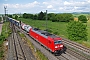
pixel 88 29
pixel 87 43
pixel 58 28
pixel 4 34
pixel 55 27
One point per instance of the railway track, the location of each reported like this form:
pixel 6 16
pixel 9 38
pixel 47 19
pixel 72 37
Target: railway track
pixel 77 54
pixel 17 49
pixel 63 56
pixel 70 53
pixel 77 46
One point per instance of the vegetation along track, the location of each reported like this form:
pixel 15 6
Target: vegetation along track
pixel 66 56
pixel 79 48
pixel 18 50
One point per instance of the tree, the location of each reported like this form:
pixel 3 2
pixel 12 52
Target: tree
pixel 35 17
pixel 65 17
pixel 0 19
pixel 77 31
pixel 82 18
pixel 30 16
pixel 52 17
pixel 25 15
pixel 16 16
pixel 10 16
pixel 41 16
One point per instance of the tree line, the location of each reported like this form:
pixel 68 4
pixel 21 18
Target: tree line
pixel 60 17
pixel 64 17
pixel 76 29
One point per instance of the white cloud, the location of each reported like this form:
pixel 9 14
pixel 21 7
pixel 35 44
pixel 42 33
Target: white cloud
pixel 61 8
pixel 88 1
pixel 45 3
pixel 67 3
pixel 50 6
pixel 54 9
pixel 76 7
pixel 28 5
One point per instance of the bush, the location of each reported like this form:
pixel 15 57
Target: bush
pixel 77 31
pixel 56 33
pixel 49 30
pixel 82 18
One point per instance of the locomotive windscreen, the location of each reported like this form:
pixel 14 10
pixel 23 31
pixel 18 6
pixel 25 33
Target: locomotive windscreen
pixel 58 42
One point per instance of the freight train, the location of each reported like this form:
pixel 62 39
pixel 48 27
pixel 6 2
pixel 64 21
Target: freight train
pixel 52 42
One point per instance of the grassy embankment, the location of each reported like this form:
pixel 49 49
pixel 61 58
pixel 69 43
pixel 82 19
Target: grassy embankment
pixel 38 55
pixel 59 27
pixel 4 34
pixel 85 43
pixel 56 27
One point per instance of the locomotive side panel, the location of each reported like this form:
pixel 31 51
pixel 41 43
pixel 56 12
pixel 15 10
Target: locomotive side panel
pixel 43 40
pixel 51 44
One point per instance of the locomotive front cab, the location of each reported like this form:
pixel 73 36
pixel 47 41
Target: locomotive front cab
pixel 58 45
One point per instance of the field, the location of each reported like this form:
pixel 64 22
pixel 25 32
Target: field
pixel 59 28
pixel 54 27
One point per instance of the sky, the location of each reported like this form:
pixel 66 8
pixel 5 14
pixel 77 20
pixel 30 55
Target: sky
pixel 52 6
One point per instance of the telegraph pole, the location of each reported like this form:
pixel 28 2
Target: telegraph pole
pixel 5 9
pixel 46 20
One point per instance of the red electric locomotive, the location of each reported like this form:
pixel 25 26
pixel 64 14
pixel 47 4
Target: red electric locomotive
pixel 50 41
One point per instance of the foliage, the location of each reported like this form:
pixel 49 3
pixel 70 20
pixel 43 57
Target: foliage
pixel 52 27
pixel 77 31
pixel 0 18
pixel 49 30
pixel 10 16
pixel 25 15
pixel 82 18
pixel 60 27
pixel 16 17
pixel 35 17
pixel 41 16
pixel 4 35
pixel 56 33
pixel 51 16
pixel 65 17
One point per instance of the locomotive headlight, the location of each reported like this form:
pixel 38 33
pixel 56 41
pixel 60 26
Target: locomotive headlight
pixel 61 45
pixel 56 46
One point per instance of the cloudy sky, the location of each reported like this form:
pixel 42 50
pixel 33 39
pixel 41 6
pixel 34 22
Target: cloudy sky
pixel 35 6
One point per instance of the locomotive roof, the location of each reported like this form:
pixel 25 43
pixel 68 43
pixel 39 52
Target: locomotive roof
pixel 45 33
